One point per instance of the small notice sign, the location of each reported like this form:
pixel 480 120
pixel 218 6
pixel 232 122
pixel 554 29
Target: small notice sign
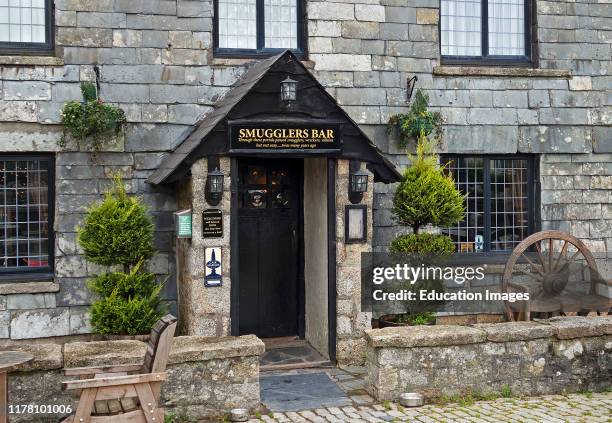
pixel 212 223
pixel 213 275
pixel 183 224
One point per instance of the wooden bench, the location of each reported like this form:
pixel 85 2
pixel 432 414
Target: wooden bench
pixel 125 393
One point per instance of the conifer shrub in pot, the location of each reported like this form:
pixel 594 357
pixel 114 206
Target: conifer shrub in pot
pixel 118 233
pixel 426 196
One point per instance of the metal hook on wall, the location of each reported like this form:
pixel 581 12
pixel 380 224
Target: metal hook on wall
pixel 410 84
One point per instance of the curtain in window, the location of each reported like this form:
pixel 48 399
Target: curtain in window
pixel 506 27
pixel 460 22
pixel 22 21
pixel 280 23
pixel 238 24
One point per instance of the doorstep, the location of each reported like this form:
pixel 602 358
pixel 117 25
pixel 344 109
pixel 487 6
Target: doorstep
pixel 290 353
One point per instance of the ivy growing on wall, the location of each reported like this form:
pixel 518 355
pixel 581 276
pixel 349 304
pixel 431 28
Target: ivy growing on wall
pixel 91 119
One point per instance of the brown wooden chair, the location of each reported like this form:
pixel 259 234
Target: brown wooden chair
pixel 125 393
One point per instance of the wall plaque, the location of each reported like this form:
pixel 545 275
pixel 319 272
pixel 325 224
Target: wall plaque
pixel 278 138
pixel 212 223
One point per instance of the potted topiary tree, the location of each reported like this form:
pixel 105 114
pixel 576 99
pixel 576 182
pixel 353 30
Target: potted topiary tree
pixel 426 196
pixel 118 232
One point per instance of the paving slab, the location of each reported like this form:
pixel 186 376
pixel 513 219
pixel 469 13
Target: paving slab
pixel 295 392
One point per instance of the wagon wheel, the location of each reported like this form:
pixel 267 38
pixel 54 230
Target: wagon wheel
pixel 548 276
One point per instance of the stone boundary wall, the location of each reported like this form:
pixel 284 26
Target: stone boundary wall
pixel 562 354
pixel 206 376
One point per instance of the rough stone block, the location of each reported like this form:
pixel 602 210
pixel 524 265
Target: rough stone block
pixel 30 301
pixel 580 83
pixel 393 31
pixel 331 11
pixel 423 32
pixel 402 14
pixel 370 12
pixel 427 16
pixel 101 20
pixel 193 9
pixel 515 331
pixel 324 29
pixel 481 139
pixel 361 30
pixel 127 38
pixel 602 139
pixel 555 139
pixel 26 90
pixel 187 114
pixel 424 336
pixel 361 96
pixel 341 62
pixel 28 324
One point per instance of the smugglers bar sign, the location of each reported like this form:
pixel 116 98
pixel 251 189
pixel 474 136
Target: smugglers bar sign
pixel 310 139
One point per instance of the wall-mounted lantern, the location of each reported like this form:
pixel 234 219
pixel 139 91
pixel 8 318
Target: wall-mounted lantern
pixel 288 90
pixel 214 187
pixel 358 183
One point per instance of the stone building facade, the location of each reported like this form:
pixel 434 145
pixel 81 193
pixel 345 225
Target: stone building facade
pixel 155 59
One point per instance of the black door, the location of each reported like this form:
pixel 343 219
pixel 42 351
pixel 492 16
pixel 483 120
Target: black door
pixel 268 231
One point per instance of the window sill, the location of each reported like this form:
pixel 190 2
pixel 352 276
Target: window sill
pixel 32 60
pixel 28 288
pixel 501 71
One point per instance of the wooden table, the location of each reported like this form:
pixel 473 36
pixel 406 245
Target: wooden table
pixel 8 361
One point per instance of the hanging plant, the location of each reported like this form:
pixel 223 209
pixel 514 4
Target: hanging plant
pixel 91 119
pixel 418 120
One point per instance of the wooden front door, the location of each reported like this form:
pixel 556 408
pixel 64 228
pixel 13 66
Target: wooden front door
pixel 269 201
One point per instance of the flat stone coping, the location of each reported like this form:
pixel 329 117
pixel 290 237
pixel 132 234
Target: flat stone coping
pixel 200 348
pixel 501 71
pixel 28 288
pixel 31 60
pixel 46 356
pixel 184 349
pixel 424 336
pixel 446 335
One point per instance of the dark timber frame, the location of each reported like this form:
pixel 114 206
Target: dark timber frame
pixel 36 273
pixel 485 58
pixel 261 50
pixel 533 206
pixel 35 49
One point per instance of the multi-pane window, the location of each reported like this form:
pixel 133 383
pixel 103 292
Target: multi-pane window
pixel 499 202
pixel 25 25
pixel 257 27
pixel 484 30
pixel 25 215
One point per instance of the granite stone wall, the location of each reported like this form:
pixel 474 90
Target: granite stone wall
pixel 207 377
pixel 351 321
pixel 154 59
pixel 564 354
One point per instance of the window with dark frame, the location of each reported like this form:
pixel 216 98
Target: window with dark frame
pixel 26 26
pixel 485 31
pixel 499 203
pixel 26 214
pixel 257 27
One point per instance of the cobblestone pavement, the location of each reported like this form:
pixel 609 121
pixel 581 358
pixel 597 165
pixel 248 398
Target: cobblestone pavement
pixel 573 408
